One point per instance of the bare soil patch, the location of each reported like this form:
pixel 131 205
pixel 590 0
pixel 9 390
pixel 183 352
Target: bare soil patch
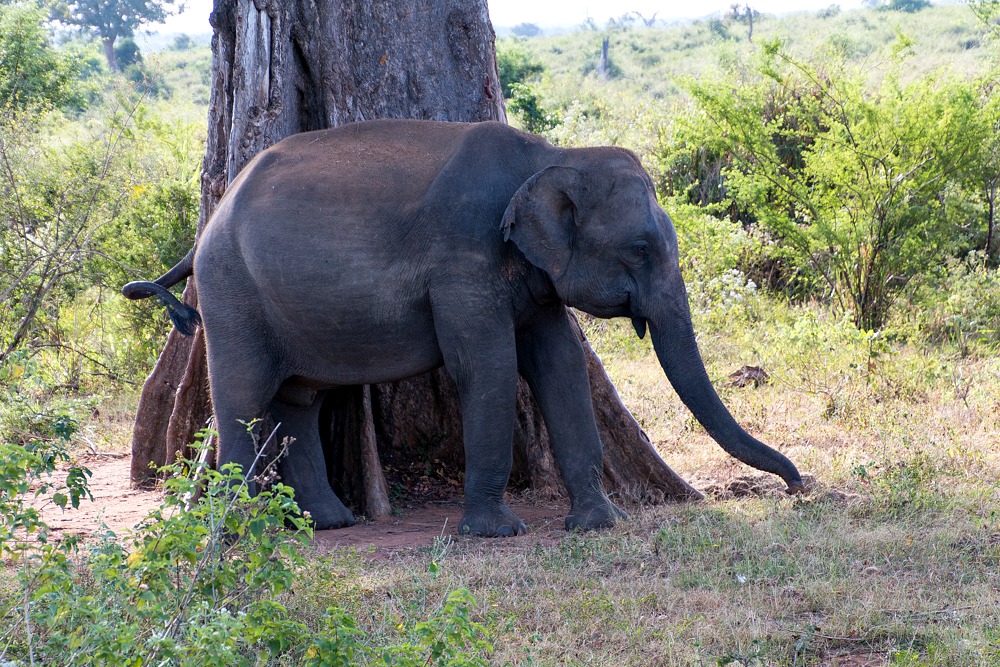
pixel 116 506
pixel 119 507
pixel 417 525
pixel 760 485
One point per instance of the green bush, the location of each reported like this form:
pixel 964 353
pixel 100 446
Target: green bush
pixel 83 210
pixel 127 53
pixel 860 184
pixel 909 6
pixel 960 306
pixel 525 104
pixel 515 65
pixel 200 584
pixel 32 72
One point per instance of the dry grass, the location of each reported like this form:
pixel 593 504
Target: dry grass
pixel 755 581
pixel 893 560
pixel 109 429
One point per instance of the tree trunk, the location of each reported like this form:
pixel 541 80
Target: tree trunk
pixel 109 54
pixel 991 216
pixel 286 67
pixel 602 64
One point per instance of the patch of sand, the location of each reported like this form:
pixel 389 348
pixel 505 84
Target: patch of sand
pixel 120 508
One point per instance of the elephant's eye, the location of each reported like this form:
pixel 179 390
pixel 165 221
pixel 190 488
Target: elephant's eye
pixel 639 251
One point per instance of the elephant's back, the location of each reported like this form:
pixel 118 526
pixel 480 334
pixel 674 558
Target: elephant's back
pixel 325 193
pixel 329 208
pixel 363 167
pixel 362 202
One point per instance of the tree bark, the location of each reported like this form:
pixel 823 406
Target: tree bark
pixel 109 54
pixel 286 67
pixel 602 63
pixel 991 200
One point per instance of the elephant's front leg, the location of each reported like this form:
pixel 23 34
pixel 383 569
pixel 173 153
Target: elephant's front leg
pixel 552 361
pixel 480 357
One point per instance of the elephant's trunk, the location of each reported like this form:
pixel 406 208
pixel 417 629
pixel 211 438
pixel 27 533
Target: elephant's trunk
pixel 676 348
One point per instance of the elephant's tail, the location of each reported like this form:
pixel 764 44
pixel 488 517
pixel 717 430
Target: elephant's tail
pixel 185 317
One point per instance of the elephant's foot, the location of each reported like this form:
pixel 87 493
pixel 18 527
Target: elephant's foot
pixel 498 521
pixel 326 512
pixel 603 514
pixel 326 518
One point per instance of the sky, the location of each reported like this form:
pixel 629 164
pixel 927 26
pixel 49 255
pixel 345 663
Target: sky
pixel 555 13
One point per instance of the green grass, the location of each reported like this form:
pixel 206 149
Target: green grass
pixel 653 62
pixel 651 67
pixel 896 551
pixel 188 73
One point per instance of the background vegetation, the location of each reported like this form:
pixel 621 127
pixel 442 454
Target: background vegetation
pixel 833 178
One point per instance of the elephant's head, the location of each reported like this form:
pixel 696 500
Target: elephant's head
pixel 593 225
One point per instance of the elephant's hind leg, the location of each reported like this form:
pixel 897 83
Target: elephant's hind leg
pixel 236 405
pixel 244 377
pixel 304 466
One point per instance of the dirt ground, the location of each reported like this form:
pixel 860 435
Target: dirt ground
pixel 119 508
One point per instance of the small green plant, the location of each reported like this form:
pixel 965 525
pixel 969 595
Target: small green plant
pixel 961 306
pixel 198 585
pixel 902 483
pixel 28 480
pixel 515 64
pixel 449 637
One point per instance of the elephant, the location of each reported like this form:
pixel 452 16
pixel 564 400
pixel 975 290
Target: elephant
pixel 383 249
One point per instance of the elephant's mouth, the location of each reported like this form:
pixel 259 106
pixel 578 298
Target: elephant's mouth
pixel 598 307
pixel 638 321
pixel 607 312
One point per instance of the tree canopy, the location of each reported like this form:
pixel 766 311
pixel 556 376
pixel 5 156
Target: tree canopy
pixel 112 19
pixel 31 71
pixel 861 187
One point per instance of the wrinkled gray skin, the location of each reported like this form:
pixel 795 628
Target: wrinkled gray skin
pixel 381 250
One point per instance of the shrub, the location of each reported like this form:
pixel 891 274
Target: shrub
pixel 858 183
pixel 200 584
pixel 525 104
pixel 909 6
pixel 127 53
pixel 83 211
pixel 515 65
pixel 526 30
pixel 960 306
pixel 32 72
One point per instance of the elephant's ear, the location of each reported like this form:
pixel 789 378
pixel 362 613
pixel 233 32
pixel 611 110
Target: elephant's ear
pixel 541 217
